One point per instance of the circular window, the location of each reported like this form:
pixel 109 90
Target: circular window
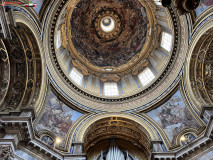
pixel 107 24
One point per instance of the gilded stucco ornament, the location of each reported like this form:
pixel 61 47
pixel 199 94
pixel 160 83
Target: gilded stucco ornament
pixel 141 96
pixel 35 55
pixel 96 63
pixel 198 67
pixel 5 72
pixel 203 62
pixel 142 124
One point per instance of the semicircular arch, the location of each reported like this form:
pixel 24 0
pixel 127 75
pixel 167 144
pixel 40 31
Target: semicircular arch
pixel 142 122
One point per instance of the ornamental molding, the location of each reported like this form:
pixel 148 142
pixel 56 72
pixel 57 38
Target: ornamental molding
pixel 194 54
pixel 65 87
pixel 20 122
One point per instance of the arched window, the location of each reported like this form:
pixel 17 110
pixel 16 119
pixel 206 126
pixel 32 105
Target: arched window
pixel 58 39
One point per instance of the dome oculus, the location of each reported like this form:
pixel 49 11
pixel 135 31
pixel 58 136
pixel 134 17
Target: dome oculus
pixel 109 34
pixel 81 30
pixel 107 24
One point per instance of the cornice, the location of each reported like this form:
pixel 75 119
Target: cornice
pixel 27 142
pixel 175 20
pixel 67 88
pixel 190 149
pixel 125 69
pixel 22 123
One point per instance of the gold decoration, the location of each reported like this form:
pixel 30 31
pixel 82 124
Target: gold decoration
pixel 114 32
pixel 141 64
pixel 149 46
pixel 79 65
pixel 110 77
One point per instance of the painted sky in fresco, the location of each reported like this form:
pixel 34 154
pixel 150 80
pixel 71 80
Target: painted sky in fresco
pixel 205 4
pixel 57 117
pixel 208 156
pixel 173 116
pixel 23 155
pixel 39 3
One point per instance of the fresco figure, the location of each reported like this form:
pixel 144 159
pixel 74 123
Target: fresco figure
pixel 114 51
pixel 57 117
pixel 173 117
pixel 204 5
pixel 188 138
pixel 48 140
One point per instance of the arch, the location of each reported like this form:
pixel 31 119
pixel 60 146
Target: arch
pixel 92 103
pixel 124 127
pixel 82 130
pixel 123 145
pixel 33 28
pixel 188 77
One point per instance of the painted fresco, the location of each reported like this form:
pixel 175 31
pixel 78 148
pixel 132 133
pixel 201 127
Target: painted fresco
pixel 173 116
pixel 204 5
pixel 23 155
pixel 126 42
pixel 188 139
pixel 78 149
pixel 57 117
pixel 157 148
pixel 38 6
pixel 208 156
pixel 48 140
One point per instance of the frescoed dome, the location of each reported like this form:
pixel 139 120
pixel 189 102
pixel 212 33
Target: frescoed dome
pixel 112 33
pixel 112 51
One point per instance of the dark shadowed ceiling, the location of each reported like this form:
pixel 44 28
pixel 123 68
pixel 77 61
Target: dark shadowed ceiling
pixel 112 48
